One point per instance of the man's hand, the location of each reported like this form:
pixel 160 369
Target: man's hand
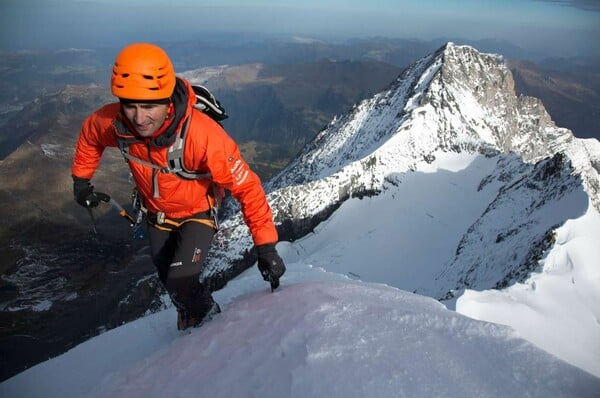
pixel 85 194
pixel 270 265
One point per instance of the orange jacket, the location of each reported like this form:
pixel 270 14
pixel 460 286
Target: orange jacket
pixel 208 148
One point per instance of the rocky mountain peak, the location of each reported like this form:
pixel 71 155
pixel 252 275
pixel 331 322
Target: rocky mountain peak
pixel 453 100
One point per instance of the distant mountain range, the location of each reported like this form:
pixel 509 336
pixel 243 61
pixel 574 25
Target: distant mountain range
pixel 571 96
pixel 28 75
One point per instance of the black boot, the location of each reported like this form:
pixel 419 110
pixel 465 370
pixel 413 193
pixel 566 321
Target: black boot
pixel 196 322
pixel 184 321
pixel 193 300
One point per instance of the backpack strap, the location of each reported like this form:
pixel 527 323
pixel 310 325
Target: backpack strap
pixel 124 139
pixel 175 163
pixel 206 103
pixel 175 156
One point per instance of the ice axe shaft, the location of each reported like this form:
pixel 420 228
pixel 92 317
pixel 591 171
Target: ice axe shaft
pixel 136 225
pixel 91 213
pixel 122 212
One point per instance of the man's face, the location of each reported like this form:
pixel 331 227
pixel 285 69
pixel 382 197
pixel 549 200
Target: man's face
pixel 146 118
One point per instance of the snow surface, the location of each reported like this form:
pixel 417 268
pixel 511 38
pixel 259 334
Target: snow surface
pixel 325 333
pixel 321 335
pixel 566 288
pixel 407 234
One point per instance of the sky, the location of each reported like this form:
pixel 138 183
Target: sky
pixel 553 26
pixel 328 332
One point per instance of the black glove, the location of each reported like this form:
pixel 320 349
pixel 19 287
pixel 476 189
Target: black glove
pixel 85 195
pixel 270 265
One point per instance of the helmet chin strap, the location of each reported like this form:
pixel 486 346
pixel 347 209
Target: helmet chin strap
pixel 170 112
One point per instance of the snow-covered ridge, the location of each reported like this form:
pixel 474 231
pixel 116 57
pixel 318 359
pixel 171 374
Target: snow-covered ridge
pixel 507 241
pixel 454 99
pixel 319 336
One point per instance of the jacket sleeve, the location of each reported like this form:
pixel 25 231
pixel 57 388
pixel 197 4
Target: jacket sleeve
pixel 230 171
pixel 95 135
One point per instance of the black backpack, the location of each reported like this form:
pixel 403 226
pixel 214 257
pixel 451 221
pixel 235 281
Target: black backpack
pixel 207 103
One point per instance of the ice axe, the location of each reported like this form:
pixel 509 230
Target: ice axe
pixel 92 201
pixel 91 213
pixel 135 224
pixel 122 212
pixel 271 279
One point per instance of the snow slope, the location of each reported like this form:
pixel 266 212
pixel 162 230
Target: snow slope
pixel 558 309
pixel 321 335
pixel 408 233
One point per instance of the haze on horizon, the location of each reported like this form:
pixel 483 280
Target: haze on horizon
pixel 554 27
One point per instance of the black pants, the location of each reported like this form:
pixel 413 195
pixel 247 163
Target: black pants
pixel 179 257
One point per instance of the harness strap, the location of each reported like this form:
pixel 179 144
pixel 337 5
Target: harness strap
pixel 159 221
pixel 175 156
pixel 145 163
pixel 175 165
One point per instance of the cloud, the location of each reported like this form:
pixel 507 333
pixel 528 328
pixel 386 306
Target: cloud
pixel 588 5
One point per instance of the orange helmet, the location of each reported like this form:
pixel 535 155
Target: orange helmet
pixel 143 71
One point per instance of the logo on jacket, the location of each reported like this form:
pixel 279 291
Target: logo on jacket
pixel 239 171
pixel 197 255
